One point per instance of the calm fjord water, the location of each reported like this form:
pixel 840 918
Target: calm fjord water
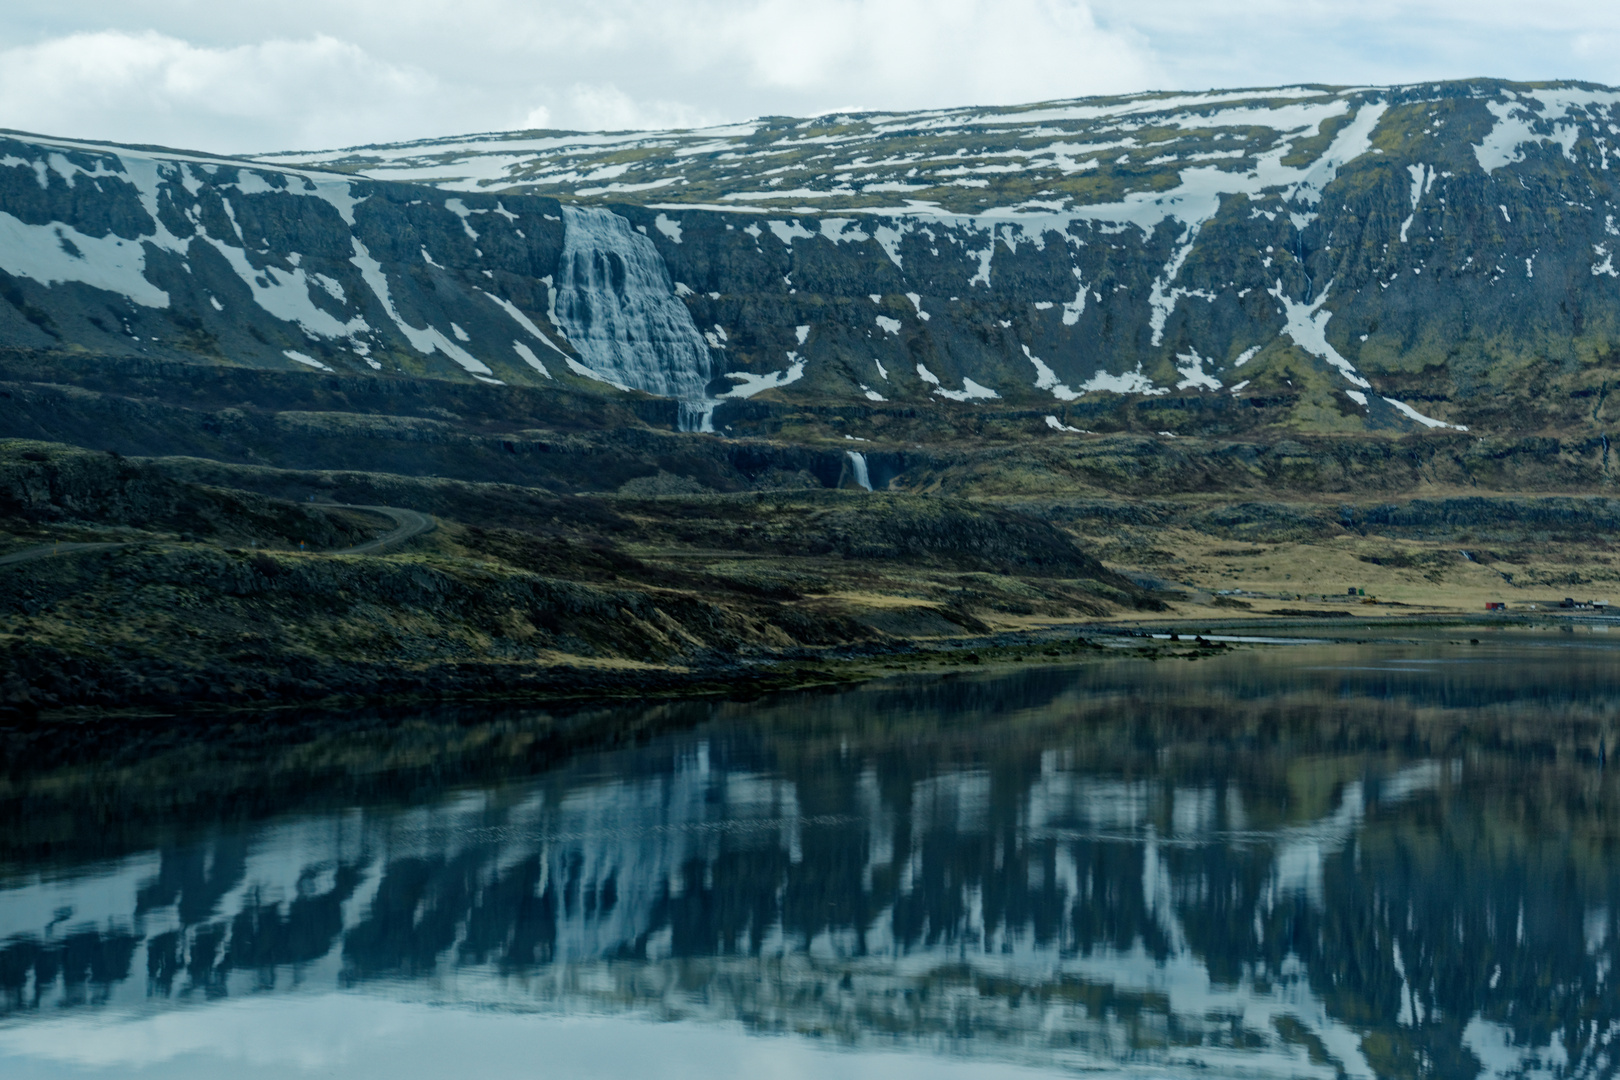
pixel 1372 860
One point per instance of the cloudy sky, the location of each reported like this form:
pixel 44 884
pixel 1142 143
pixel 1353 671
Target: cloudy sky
pixel 307 74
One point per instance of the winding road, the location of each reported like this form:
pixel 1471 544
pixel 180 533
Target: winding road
pixel 45 551
pixel 408 524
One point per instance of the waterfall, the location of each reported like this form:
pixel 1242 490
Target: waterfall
pixel 618 308
pixel 857 464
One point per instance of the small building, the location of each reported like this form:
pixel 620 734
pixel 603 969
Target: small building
pixel 1495 605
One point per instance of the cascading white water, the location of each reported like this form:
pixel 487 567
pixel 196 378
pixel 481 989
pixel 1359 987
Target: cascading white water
pixel 857 465
pixel 618 308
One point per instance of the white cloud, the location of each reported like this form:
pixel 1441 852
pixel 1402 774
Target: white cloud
pixel 604 107
pixel 152 88
pixel 1271 42
pixel 914 53
pixel 303 73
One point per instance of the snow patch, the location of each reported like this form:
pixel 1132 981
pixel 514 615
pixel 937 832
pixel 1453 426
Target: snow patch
pixel 834 229
pixel 970 390
pixel 1427 421
pixel 1503 144
pixel 1307 325
pixel 1076 307
pixel 1197 198
pixel 1057 425
pixel 1046 378
pixel 1422 181
pixel 307 361
pixel 590 373
pixel 1130 382
pixel 459 208
pixel 787 232
pixel 982 277
pixel 425 341
pixel 1161 298
pixel 526 354
pixel 287 299
pixel 525 322
pixel 1193 374
pixel 50 254
pixel 669 227
pixel 888 238
pixel 888 325
pixel 749 384
pixel 333 287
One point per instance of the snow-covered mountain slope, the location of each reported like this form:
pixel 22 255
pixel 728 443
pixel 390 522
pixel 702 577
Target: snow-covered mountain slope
pixel 1411 258
pixel 1108 159
pixel 123 250
pixel 1193 243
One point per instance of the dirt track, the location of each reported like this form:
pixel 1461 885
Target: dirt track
pixel 408 524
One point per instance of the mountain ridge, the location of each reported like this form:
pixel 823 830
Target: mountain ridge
pixel 1266 245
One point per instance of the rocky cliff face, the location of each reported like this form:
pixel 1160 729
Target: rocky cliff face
pixel 1388 259
pixel 121 251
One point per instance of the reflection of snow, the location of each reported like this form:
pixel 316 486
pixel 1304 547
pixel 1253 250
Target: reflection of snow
pixel 1063 800
pixel 1193 811
pixel 1304 849
pixel 647 839
pixel 956 802
pixel 1495 1047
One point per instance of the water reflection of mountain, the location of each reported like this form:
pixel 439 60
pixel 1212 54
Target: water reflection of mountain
pixel 1360 873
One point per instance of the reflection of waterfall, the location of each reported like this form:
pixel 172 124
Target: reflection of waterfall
pixel 618 308
pixel 857 464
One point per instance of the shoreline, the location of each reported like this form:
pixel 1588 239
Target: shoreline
pixel 1050 645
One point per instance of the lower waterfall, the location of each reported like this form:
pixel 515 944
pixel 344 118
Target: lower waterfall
pixel 618 308
pixel 857 464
